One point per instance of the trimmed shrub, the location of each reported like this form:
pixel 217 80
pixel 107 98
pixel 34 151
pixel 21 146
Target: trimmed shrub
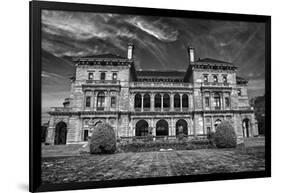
pixel 140 146
pixel 181 137
pixel 225 136
pixel 103 140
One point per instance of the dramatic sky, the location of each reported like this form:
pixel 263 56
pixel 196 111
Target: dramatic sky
pixel 160 44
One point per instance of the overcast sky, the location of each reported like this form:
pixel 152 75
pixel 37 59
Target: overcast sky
pixel 160 44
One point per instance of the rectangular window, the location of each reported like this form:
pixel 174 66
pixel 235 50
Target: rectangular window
pixel 207 102
pixel 86 135
pixel 205 78
pixel 102 75
pixel 114 76
pixel 227 102
pixel 217 102
pixel 90 76
pixel 224 79
pixel 215 78
pixel 239 92
pixel 88 101
pixel 113 102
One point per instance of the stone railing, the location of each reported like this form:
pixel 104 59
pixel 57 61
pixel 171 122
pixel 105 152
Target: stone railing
pixel 160 84
pixel 103 82
pixel 216 84
pixel 61 109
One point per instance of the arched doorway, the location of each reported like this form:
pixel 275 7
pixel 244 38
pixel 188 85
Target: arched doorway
pixel 246 127
pixel 141 128
pixel 162 128
pixel 217 122
pixel 181 127
pixel 60 133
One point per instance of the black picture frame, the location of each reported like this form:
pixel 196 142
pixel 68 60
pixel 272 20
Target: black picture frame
pixel 35 94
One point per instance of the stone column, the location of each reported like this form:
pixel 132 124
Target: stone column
pixel 181 102
pixel 161 102
pixel 141 102
pixel 108 100
pixel 152 97
pixel 116 126
pixel 172 102
pixel 95 100
pixel 222 101
pixel 133 99
pixel 154 128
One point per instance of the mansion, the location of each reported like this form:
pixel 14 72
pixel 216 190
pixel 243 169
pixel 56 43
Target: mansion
pixel 108 88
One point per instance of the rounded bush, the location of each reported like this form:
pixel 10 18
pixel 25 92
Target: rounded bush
pixel 103 140
pixel 225 136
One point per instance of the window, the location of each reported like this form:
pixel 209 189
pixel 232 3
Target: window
pixel 217 101
pixel 100 101
pixel 146 101
pixel 208 131
pixel 137 101
pixel 239 92
pixel 184 101
pixel 113 102
pixel 157 101
pixel 166 101
pixel 88 101
pixel 207 102
pixel 91 76
pixel 205 79
pixel 215 78
pixel 177 101
pixel 86 135
pixel 114 76
pixel 224 79
pixel 227 102
pixel 102 75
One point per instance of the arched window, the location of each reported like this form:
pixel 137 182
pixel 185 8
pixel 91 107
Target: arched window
pixel 246 127
pixel 138 101
pixel 177 101
pixel 217 122
pixel 142 128
pixel 100 101
pixel 157 101
pixel 162 128
pixel 181 127
pixel 215 78
pixel 166 101
pixel 146 101
pixel 184 101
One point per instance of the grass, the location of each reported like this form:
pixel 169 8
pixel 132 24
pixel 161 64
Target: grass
pixel 151 164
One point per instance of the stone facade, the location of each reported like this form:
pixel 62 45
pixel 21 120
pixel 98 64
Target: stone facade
pixel 107 88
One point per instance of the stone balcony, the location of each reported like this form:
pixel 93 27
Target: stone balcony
pixel 61 109
pixel 101 83
pixel 160 85
pixel 216 84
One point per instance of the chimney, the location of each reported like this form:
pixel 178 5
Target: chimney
pixel 130 51
pixel 191 54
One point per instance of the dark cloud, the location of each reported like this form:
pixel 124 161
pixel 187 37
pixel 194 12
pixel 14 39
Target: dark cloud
pixel 160 43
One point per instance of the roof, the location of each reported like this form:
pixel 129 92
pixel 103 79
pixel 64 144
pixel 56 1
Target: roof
pixel 161 73
pixel 241 80
pixel 109 56
pixel 211 60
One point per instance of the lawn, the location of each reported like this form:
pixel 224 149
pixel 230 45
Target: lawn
pixel 151 164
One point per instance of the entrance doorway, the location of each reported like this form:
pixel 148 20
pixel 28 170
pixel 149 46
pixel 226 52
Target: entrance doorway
pixel 60 133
